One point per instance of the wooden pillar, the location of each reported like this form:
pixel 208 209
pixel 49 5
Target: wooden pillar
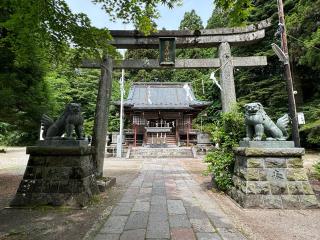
pixel 228 93
pixel 135 135
pixel 145 137
pixel 101 115
pixel 188 129
pixel 177 132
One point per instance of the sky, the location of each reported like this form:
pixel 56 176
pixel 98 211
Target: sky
pixel 170 18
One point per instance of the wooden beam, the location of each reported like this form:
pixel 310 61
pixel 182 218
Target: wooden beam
pixel 181 63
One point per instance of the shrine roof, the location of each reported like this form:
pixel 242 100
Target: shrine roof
pixel 163 95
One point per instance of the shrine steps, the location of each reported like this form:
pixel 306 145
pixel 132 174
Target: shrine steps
pixel 170 140
pixel 168 152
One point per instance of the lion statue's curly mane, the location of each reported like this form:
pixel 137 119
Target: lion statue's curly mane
pixel 70 120
pixel 258 122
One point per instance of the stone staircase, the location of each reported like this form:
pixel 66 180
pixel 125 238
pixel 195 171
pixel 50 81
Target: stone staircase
pixel 169 140
pixel 169 152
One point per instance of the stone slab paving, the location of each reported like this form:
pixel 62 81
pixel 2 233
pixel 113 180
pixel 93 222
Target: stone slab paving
pixel 137 220
pixel 164 202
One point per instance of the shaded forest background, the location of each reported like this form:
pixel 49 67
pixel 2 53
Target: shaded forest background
pixel 39 74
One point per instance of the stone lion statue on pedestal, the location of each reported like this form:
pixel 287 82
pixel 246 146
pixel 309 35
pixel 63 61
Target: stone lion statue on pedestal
pixel 259 123
pixel 70 120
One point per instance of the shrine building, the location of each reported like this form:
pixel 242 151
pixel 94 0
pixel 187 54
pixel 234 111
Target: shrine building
pixel 160 114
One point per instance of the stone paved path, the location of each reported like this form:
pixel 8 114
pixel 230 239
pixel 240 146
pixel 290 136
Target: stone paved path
pixel 165 202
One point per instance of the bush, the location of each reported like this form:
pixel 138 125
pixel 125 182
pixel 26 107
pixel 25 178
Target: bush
pixel 310 135
pixel 316 167
pixel 227 133
pixel 221 165
pixel 310 132
pixel 10 136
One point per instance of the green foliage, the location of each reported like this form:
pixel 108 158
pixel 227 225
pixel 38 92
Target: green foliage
pixel 50 27
pixel 302 25
pixel 218 19
pixel 140 12
pixel 304 39
pixel 237 10
pixel 191 21
pixel 227 132
pixel 310 132
pixel 9 135
pixel 23 94
pixel 221 165
pixel 80 86
pixel 316 168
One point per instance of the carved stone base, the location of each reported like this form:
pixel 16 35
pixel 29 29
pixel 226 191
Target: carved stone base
pixel 271 178
pixel 57 174
pixel 267 144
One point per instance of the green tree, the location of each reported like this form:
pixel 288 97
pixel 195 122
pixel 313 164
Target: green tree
pixel 218 19
pixel 191 21
pixel 237 10
pixel 23 95
pixel 141 12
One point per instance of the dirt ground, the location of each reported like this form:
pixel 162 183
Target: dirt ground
pixel 48 223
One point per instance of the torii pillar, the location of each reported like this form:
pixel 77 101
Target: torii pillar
pixel 101 115
pixel 228 93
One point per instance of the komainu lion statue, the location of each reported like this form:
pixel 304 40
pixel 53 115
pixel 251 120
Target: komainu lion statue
pixel 258 122
pixel 70 120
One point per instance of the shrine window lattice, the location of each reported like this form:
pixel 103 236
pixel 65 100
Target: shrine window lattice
pixel 137 120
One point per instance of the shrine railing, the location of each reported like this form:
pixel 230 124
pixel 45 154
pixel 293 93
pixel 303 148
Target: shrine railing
pixel 158 129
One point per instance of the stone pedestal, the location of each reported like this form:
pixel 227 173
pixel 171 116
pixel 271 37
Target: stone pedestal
pixel 59 172
pixel 271 177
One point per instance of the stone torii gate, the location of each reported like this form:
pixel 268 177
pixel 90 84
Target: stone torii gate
pixel 223 38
